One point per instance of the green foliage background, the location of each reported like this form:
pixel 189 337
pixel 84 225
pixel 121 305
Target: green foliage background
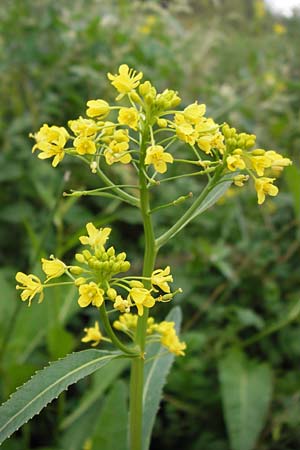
pixel 238 264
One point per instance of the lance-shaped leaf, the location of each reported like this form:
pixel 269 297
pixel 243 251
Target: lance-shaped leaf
pixel 246 388
pixel 46 385
pixel 156 371
pixel 205 201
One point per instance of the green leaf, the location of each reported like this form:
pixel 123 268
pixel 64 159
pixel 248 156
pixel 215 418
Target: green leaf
pixel 101 381
pixel 111 429
pixel 28 332
pixel 156 371
pixel 60 342
pixel 82 428
pixel 215 194
pixel 46 385
pixel 246 389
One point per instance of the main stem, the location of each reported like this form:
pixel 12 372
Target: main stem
pixel 137 367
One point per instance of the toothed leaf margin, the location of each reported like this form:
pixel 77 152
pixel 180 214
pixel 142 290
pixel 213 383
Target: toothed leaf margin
pixel 46 385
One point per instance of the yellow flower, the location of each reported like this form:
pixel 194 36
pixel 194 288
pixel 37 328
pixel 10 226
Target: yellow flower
pixel 92 334
pixel 31 286
pixel 239 180
pixel 235 162
pixel 126 322
pixel 53 267
pixel 265 187
pixel 51 142
pixel 84 146
pixel 90 293
pixel 126 81
pixel 117 152
pixel 148 25
pixel 121 304
pixel 83 127
pixel 210 141
pixel 260 162
pixel 184 130
pixel 158 157
pixel 161 278
pixel 279 29
pixel 128 116
pixel 96 237
pixel 194 112
pixel 97 108
pixel 141 297
pixel 169 338
pixel 277 160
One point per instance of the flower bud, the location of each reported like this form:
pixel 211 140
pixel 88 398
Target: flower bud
pixel 76 270
pixel 258 152
pixel 121 256
pixel 135 97
pixel 87 255
pixel 80 258
pixel 79 281
pixel 162 123
pixel 110 252
pixel 125 266
pixel 145 88
pixel 136 284
pixel 111 293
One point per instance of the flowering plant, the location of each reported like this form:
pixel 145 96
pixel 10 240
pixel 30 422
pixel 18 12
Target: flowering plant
pixel 145 134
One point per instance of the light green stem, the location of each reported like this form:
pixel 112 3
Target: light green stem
pixel 111 334
pixel 137 368
pixel 186 217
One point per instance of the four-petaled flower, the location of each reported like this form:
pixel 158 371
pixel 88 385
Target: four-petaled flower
pixel 97 108
pixel 53 267
pixel 31 286
pixel 93 334
pixel 264 186
pixel 90 294
pixel 96 237
pixel 161 278
pixel 128 116
pixel 126 81
pixel 156 155
pixel 84 146
pixel 51 142
pixel 141 297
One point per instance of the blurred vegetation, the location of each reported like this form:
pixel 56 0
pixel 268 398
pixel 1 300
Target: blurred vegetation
pixel 238 264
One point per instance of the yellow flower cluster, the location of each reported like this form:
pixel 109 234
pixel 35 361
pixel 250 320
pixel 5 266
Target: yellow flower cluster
pixel 95 277
pixel 96 139
pixel 193 128
pixel 166 331
pixel 256 162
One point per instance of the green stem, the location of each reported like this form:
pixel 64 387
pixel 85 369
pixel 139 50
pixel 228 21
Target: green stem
pixel 137 368
pixel 187 216
pixel 122 194
pixel 111 334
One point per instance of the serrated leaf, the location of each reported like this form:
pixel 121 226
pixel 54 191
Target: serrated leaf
pixel 46 385
pixel 246 389
pixel 155 374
